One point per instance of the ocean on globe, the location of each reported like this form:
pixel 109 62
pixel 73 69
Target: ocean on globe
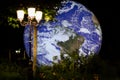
pixel 75 28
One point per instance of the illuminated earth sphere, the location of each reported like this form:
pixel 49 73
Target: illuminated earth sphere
pixel 75 28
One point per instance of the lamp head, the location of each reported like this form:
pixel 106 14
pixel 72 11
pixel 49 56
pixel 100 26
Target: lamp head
pixel 31 13
pixel 38 16
pixel 20 15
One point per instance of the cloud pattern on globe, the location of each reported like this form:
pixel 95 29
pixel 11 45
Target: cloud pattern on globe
pixel 75 27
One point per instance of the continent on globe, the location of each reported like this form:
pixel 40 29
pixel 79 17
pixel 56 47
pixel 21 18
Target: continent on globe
pixel 71 45
pixel 75 28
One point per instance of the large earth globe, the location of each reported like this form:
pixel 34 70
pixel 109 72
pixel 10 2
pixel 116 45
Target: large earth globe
pixel 75 28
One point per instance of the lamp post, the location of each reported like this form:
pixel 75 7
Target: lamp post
pixel 34 18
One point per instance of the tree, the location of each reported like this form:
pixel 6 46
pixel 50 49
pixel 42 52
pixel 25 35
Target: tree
pixel 8 16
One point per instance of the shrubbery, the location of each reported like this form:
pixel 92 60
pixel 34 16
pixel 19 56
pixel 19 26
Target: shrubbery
pixel 72 67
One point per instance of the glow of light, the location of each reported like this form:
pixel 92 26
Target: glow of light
pixel 31 13
pixel 38 16
pixel 20 15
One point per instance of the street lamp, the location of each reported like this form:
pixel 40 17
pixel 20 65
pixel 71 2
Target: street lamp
pixel 34 18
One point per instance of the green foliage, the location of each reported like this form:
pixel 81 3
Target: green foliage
pixel 49 14
pixel 69 68
pixel 11 71
pixel 75 67
pixel 13 22
pixel 9 13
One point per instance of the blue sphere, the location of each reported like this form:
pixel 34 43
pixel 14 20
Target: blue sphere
pixel 75 27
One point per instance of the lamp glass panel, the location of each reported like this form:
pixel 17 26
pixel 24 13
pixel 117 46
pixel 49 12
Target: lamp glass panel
pixel 20 14
pixel 38 15
pixel 31 13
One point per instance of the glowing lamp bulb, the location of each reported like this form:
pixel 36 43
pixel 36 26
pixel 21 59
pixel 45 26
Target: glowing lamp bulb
pixel 38 16
pixel 20 15
pixel 31 13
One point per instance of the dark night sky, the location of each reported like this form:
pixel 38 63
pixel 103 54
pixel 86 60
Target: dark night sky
pixel 107 15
